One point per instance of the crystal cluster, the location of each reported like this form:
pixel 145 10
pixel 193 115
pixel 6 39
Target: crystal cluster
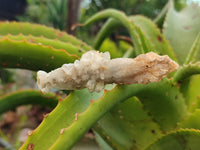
pixel 96 69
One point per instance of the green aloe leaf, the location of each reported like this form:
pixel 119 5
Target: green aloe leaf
pixel 188 78
pixel 191 93
pixel 183 139
pixel 128 122
pixel 191 58
pixel 152 32
pixel 140 119
pixel 15 28
pixel 186 71
pixel 170 106
pixel 181 29
pixel 75 106
pixel 108 128
pixel 101 142
pixel 68 47
pixel 192 121
pixel 22 54
pixel 61 117
pixel 25 97
pixel 149 30
pixel 109 26
pixel 127 23
pixel 110 46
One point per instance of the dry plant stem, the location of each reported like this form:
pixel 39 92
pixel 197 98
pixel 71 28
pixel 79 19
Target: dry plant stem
pixel 95 70
pixel 125 38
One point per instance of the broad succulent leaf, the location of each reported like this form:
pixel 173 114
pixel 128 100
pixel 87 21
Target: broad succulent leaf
pixel 15 28
pixel 128 122
pixel 149 32
pixel 153 33
pixel 57 44
pixel 140 119
pixel 26 55
pixel 183 139
pixel 27 97
pixel 127 23
pixel 181 29
pixel 61 117
pixel 192 121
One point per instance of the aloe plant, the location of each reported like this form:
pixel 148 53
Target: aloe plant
pixel 161 115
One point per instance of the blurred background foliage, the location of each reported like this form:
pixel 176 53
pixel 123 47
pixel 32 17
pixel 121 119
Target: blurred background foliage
pixel 54 12
pixel 48 12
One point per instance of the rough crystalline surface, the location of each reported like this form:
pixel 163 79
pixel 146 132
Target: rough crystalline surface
pixel 96 69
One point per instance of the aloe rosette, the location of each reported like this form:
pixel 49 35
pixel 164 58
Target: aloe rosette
pixel 159 115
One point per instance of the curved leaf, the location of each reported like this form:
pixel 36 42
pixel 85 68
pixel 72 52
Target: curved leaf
pixel 68 47
pixel 169 110
pixel 186 71
pixel 130 26
pixel 170 106
pixel 191 58
pixel 16 28
pixel 61 117
pixel 146 120
pixel 22 54
pixel 109 130
pixel 191 93
pixel 26 97
pixel 128 121
pixel 183 139
pixel 108 27
pixel 150 33
pixel 192 121
pixel 101 142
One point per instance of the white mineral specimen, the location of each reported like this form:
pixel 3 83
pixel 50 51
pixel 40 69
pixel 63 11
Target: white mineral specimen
pixel 96 69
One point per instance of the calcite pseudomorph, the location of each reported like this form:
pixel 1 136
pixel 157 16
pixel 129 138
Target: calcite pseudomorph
pixel 96 69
